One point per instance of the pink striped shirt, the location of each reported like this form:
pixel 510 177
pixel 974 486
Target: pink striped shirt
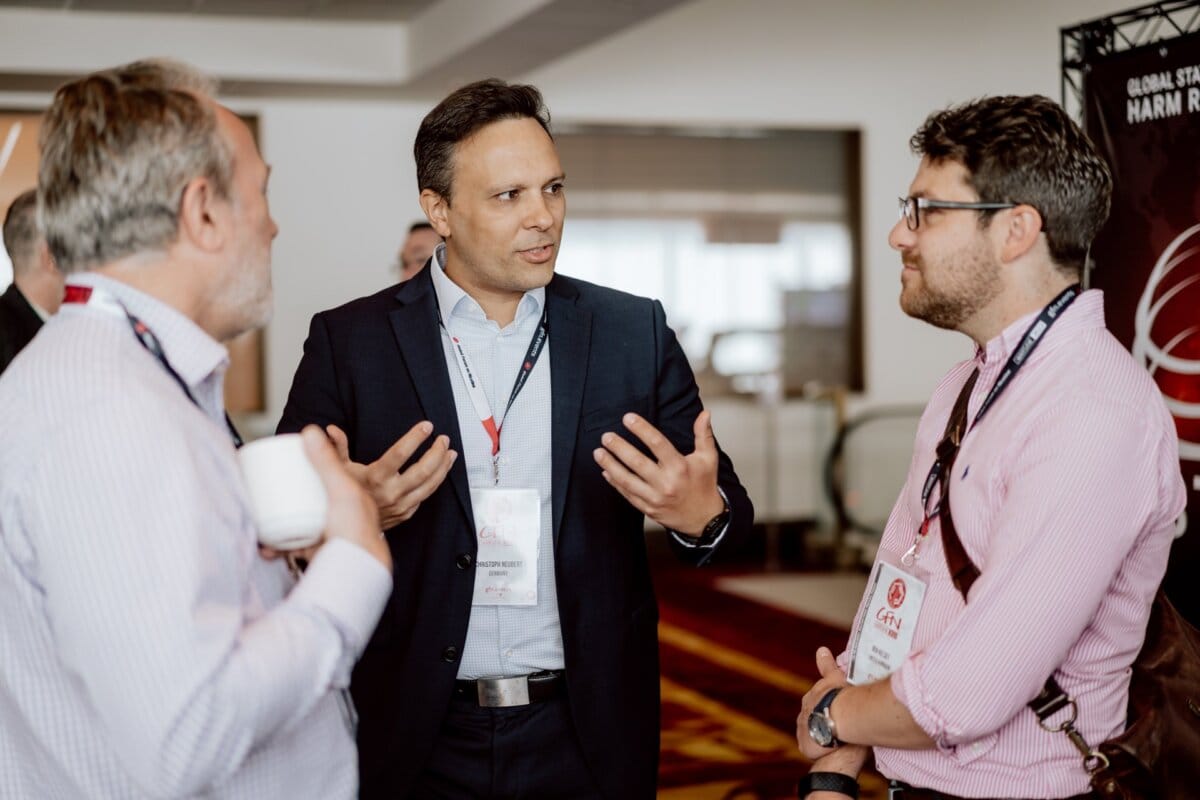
pixel 1065 497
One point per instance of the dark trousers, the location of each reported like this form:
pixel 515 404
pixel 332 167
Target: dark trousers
pixel 507 754
pixel 898 790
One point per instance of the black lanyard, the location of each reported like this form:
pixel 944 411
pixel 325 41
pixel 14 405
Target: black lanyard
pixel 955 433
pixel 147 339
pixel 532 354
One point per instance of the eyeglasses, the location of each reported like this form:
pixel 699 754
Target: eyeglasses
pixel 910 208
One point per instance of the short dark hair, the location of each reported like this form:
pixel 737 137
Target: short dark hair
pixel 460 115
pixel 1026 149
pixel 419 226
pixel 21 231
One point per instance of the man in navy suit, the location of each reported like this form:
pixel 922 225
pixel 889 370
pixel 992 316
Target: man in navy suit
pixel 37 287
pixel 518 656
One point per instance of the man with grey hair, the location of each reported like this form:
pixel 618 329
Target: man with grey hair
pixel 37 286
pixel 148 650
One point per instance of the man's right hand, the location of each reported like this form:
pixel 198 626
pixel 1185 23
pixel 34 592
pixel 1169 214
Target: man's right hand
pixel 351 516
pixel 396 493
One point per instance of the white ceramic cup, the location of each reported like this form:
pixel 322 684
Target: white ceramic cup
pixel 287 499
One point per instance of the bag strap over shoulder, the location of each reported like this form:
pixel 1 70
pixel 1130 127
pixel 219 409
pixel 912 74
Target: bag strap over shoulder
pixel 963 572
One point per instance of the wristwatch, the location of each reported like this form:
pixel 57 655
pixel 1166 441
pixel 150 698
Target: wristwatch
pixel 717 523
pixel 820 723
pixel 827 782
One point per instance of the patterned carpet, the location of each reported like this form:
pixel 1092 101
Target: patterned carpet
pixel 733 674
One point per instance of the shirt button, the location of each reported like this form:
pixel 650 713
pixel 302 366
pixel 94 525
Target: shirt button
pixel 464 560
pixel 450 654
pixel 508 653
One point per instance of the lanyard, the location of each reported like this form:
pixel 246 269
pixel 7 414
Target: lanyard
pixel 483 408
pixel 957 429
pixel 87 295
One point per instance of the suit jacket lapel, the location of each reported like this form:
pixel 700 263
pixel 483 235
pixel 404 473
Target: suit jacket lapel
pixel 415 325
pixel 570 341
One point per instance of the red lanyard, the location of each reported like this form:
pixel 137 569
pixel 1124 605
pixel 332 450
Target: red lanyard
pixel 483 408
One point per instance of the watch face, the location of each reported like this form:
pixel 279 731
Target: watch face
pixel 819 729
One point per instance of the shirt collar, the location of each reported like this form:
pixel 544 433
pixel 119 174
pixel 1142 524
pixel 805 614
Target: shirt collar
pixel 1086 312
pixel 453 300
pixel 192 353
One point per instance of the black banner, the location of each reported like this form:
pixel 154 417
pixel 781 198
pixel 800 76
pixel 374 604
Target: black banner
pixel 1142 108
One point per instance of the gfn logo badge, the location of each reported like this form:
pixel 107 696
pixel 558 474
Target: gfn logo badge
pixel 896 593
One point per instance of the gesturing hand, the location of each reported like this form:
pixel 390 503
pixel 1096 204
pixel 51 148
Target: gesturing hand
pixel 397 493
pixel 678 492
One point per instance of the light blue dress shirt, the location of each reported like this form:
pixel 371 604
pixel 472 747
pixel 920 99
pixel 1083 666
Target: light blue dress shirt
pixel 505 641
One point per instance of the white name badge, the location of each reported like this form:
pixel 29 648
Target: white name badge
pixel 884 637
pixel 508 530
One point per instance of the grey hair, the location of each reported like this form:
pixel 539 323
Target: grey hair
pixel 21 232
pixel 118 147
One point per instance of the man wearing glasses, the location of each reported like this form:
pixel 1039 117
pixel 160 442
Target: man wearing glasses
pixel 1061 460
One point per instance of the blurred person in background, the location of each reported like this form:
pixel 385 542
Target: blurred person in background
pixel 417 248
pixel 37 286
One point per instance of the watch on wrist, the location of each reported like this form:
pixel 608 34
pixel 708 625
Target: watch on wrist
pixel 820 722
pixel 717 523
pixel 827 782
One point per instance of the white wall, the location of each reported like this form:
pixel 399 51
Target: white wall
pixel 343 184
pixel 343 192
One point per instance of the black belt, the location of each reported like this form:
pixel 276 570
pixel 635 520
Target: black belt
pixel 507 692
pixel 899 790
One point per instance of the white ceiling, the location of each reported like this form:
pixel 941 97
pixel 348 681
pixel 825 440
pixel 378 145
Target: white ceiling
pixel 391 10
pixel 344 48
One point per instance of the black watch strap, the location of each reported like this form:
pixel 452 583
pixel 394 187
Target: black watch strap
pixel 714 527
pixel 826 701
pixel 717 523
pixel 827 782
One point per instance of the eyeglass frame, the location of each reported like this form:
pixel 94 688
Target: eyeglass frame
pixel 918 203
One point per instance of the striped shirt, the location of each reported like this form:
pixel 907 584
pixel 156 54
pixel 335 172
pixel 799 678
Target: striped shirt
pixel 146 649
pixel 1065 497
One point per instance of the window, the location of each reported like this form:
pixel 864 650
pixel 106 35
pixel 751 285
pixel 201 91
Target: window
pixel 747 237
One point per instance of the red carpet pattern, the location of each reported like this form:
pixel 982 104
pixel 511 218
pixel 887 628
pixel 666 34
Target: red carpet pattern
pixel 733 674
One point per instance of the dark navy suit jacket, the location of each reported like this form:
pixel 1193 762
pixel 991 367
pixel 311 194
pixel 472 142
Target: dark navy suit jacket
pixel 18 324
pixel 375 367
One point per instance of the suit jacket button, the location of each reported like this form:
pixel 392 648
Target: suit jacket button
pixel 464 560
pixel 450 654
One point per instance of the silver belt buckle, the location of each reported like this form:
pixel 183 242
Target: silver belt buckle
pixel 895 792
pixel 503 692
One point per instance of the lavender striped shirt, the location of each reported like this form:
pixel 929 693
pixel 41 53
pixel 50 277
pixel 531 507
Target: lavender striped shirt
pixel 146 650
pixel 1066 498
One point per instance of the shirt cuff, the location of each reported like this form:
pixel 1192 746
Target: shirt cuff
pixel 908 690
pixel 350 586
pixel 705 542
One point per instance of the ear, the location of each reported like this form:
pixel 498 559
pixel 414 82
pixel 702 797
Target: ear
pixel 204 218
pixel 437 209
pixel 1020 228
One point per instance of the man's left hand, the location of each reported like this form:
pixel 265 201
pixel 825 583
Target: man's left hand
pixel 678 492
pixel 832 677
